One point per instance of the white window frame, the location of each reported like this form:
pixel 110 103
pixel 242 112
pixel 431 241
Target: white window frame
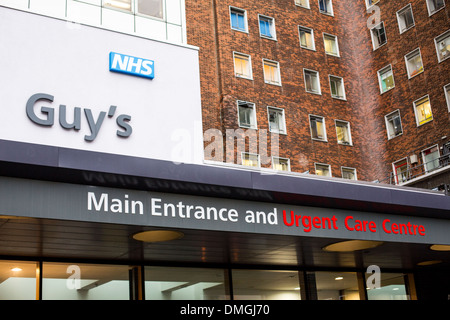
pixel 371 5
pixel 281 110
pixel 272 27
pixel 253 115
pixel 250 154
pixel 329 5
pixel 344 97
pixel 271 62
pixel 408 57
pixel 307 6
pixel 415 110
pixel 312 37
pixel 430 13
pixel 280 158
pixel 231 8
pixel 399 13
pixel 318 81
pixel 316 164
pixel 380 72
pixel 447 95
pixel 386 120
pixel 349 169
pixel 324 139
pixel 376 47
pixel 134 9
pixel 349 131
pixel 249 58
pixel 437 40
pixel 335 41
pixel 423 157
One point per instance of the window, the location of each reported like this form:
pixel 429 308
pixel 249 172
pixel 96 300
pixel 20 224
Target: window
pixel 337 87
pixel 318 130
pixel 343 132
pixel 393 124
pixel 238 19
pixel 246 115
pixel 348 173
pixel 386 79
pixel 312 83
pixel 326 7
pixel 405 18
pixel 267 27
pixel 447 95
pixel 434 6
pixel 422 109
pixel 153 8
pixel 378 34
pixel 250 159
pixel 443 46
pixel 392 287
pixel 306 38
pixel 401 171
pixel 322 169
pixel 431 158
pixel 331 44
pixel 271 72
pixel 370 3
pixel 302 3
pixel 414 64
pixel 277 121
pixel 281 164
pixel 242 65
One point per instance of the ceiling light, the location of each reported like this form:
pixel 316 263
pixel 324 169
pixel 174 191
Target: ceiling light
pixel 339 278
pixel 298 288
pixel 16 269
pixel 158 235
pixel 440 247
pixel 352 245
pixel 429 262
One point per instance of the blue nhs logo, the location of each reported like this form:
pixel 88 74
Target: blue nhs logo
pixel 131 65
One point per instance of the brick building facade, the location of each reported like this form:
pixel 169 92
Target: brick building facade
pixel 334 42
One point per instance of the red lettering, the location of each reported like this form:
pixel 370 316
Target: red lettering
pixel 384 225
pixel 346 223
pixel 402 228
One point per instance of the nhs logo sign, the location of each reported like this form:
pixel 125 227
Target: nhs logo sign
pixel 131 65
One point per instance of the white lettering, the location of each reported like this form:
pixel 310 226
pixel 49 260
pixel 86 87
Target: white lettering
pixel 92 200
pixel 118 60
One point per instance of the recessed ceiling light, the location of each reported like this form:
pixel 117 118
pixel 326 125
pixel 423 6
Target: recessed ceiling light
pixel 440 247
pixel 352 245
pixel 429 262
pixel 339 278
pixel 298 288
pixel 158 235
pixel 16 269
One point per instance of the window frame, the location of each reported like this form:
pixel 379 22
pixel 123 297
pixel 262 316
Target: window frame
pixel 444 35
pixel 386 120
pixel 134 9
pixel 251 154
pixel 427 170
pixel 308 6
pixel 373 36
pixel 327 3
pixel 406 8
pixel 316 164
pixel 281 158
pixel 324 35
pixel 430 13
pixel 250 77
pixel 371 5
pixel 237 10
pixel 349 168
pixel 312 37
pixel 344 97
pixel 396 175
pixel 379 73
pixel 325 137
pixel 408 57
pixel 278 72
pixel 349 131
pixel 240 103
pixel 426 120
pixel 271 27
pixel 163 4
pixel 305 70
pixel 281 110
pixel 447 95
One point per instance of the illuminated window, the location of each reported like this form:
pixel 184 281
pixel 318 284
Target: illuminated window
pixel 386 79
pixel 306 38
pixel 378 34
pixel 280 164
pixel 246 115
pixel 331 44
pixel 277 121
pixel 250 159
pixel 322 169
pixel 422 109
pixel 414 63
pixel 312 82
pixel 318 131
pixel 405 18
pixel 393 124
pixel 271 72
pixel 443 46
pixel 343 132
pixel 348 173
pixel 242 65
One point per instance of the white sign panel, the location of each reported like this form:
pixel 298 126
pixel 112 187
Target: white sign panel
pixel 58 87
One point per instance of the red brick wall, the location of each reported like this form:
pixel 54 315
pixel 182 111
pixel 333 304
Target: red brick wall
pixel 208 27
